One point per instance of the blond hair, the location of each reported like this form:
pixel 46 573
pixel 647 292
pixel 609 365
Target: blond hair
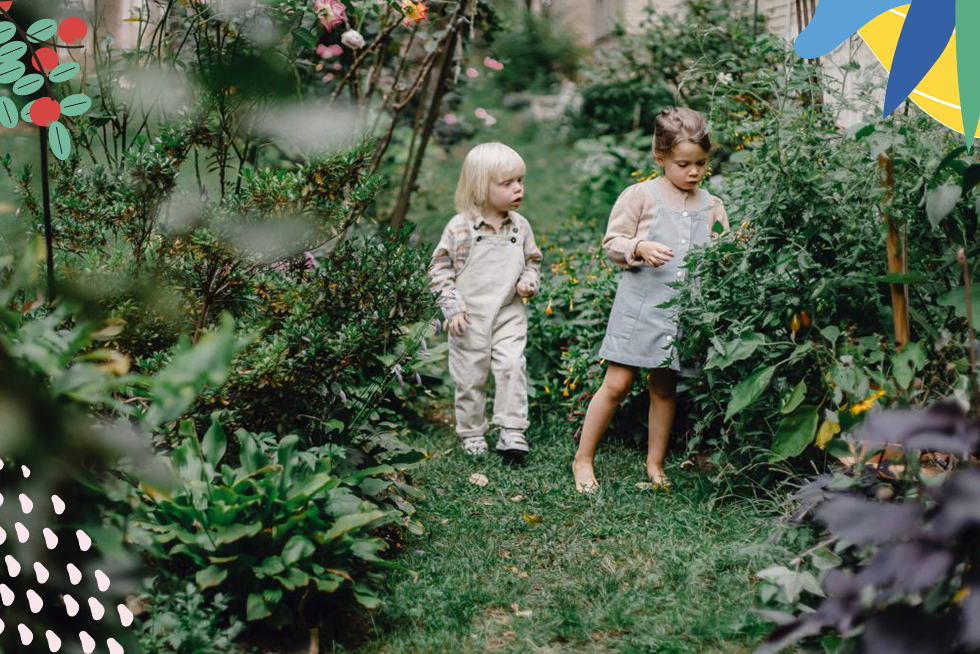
pixel 678 125
pixel 485 164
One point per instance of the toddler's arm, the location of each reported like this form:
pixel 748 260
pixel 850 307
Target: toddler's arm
pixel 718 214
pixel 442 274
pixel 621 239
pixel 530 279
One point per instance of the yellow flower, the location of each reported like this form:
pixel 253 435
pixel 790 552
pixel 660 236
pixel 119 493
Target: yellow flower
pixel 549 310
pixel 547 390
pixel 572 386
pixel 863 406
pixel 962 594
pixel 565 393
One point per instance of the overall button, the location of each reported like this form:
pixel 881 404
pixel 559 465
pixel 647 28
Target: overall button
pixel 479 238
pixel 515 230
pixel 513 239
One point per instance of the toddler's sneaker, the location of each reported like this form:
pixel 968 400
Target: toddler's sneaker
pixel 512 444
pixel 475 445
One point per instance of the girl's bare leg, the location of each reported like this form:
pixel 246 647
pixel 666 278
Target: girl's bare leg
pixel 663 388
pixel 615 387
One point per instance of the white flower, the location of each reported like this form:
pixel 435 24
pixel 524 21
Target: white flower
pixel 725 78
pixel 352 39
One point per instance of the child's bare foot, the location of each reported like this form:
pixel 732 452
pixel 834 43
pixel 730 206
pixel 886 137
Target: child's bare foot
pixel 585 481
pixel 657 476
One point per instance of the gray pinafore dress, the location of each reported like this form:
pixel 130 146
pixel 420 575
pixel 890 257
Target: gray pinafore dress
pixel 641 332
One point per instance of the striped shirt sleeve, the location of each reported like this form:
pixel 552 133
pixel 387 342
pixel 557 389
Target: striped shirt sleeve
pixel 442 271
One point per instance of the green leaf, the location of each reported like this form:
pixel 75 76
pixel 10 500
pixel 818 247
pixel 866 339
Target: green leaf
pixel 824 559
pixel 214 443
pixel 256 608
pixel 795 432
pixel 297 548
pixel 236 532
pixel 795 398
pixel 42 30
pixel 293 579
pixel 28 84
pixel 271 566
pixel 351 521
pixel 940 201
pixel 790 582
pixel 11 71
pixel 7 31
pixel 64 72
pixel 60 140
pixel 971 177
pixel 328 585
pixel 831 333
pixel 304 38
pixel 76 105
pixel 365 596
pixel 25 113
pixel 740 350
pixel 210 576
pixel 8 113
pixel 368 549
pixel 957 300
pixel 901 278
pixel 749 390
pixel 907 362
pixel 12 51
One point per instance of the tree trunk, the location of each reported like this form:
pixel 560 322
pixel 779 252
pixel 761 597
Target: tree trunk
pixel 900 308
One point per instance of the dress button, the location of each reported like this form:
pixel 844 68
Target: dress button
pixel 680 273
pixel 670 339
pixel 686 213
pixel 513 239
pixel 683 241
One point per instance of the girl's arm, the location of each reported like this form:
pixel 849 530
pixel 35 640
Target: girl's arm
pixel 621 239
pixel 717 214
pixel 531 275
pixel 442 274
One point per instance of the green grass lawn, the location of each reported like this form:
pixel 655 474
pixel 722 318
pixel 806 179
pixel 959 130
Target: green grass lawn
pixel 525 564
pixel 549 185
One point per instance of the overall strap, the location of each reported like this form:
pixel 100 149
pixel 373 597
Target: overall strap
pixel 654 190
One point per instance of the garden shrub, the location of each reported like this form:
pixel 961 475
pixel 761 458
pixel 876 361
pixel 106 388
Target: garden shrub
pixel 536 54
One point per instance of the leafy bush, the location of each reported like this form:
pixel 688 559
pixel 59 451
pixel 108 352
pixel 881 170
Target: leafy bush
pixel 536 54
pixel 185 622
pixel 281 531
pixel 896 563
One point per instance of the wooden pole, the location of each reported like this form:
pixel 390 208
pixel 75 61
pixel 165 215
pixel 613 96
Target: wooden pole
pixel 893 242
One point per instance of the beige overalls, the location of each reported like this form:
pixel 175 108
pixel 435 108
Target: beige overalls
pixel 495 336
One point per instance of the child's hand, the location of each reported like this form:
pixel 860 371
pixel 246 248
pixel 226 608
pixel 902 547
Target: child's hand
pixel 458 323
pixel 655 254
pixel 524 289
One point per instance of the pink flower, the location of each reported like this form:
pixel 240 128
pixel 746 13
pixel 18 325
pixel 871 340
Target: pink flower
pixel 450 119
pixel 328 78
pixel 492 64
pixel 472 72
pixel 481 113
pixel 490 121
pixel 310 260
pixel 336 66
pixel 352 39
pixel 329 51
pixel 331 12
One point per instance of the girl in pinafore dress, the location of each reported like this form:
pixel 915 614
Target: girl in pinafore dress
pixel 653 225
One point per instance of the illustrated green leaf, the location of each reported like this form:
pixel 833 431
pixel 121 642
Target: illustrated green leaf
pixel 64 72
pixel 7 31
pixel 11 71
pixel 256 607
pixel 907 362
pixel 8 113
pixel 60 140
pixel 795 432
pixel 25 113
pixel 940 201
pixel 210 576
pixel 76 105
pixel 42 30
pixel 749 390
pixel 297 548
pixel 13 51
pixel 28 84
pixel 795 398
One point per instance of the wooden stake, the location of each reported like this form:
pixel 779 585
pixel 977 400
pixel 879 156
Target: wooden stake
pixel 900 308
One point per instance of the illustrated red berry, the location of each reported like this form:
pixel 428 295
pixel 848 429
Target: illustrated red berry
pixel 45 111
pixel 48 57
pixel 72 30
